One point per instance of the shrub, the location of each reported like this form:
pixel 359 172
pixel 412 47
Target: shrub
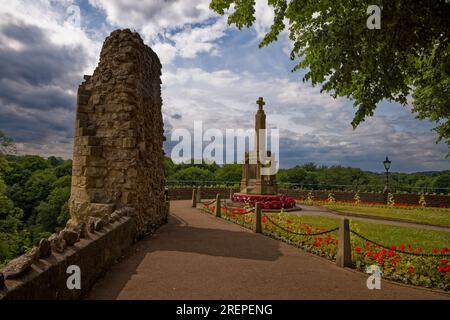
pixel 390 200
pixel 331 197
pixel 422 201
pixel 310 197
pixel 357 198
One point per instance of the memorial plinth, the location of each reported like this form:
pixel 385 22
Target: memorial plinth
pixel 256 186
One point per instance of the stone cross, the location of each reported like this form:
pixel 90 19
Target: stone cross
pixel 260 103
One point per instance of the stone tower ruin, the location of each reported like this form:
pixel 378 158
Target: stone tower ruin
pixel 117 155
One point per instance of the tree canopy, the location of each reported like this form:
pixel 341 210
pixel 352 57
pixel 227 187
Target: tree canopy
pixel 408 55
pixel 34 195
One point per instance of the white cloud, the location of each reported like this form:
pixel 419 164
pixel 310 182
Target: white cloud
pixel 153 17
pixel 173 28
pixel 193 41
pixel 44 56
pixel 165 51
pixel 54 20
pixel 264 15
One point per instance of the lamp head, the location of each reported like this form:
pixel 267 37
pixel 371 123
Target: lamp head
pixel 387 163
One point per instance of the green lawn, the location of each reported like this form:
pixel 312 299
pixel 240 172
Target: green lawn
pixel 437 216
pixel 384 234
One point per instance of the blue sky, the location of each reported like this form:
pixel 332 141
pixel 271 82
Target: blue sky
pixel 211 72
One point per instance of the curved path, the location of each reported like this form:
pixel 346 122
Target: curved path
pixel 197 256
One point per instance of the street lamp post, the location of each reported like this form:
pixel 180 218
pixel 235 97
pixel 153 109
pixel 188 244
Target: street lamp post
pixel 387 166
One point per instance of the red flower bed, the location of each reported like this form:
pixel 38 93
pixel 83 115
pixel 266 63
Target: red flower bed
pixel 426 271
pixel 267 202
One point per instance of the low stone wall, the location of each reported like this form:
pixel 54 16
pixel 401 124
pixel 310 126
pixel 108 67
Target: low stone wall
pixel 432 200
pixel 42 273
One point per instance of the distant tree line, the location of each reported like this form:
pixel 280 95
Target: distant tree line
pixel 311 176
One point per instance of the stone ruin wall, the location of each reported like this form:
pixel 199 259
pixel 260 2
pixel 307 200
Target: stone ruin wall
pixel 118 156
pixel 117 176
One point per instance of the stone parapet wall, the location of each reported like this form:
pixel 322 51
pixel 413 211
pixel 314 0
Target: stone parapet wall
pixel 46 277
pixel 117 155
pixel 443 201
pixel 93 247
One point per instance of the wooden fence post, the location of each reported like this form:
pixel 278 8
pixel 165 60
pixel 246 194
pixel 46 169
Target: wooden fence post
pixel 218 206
pixel 257 222
pixel 344 254
pixel 194 198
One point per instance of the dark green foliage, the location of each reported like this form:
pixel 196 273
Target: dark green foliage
pixel 409 54
pixel 346 178
pixel 53 211
pixel 229 172
pixel 12 242
pixel 34 195
pixel 193 174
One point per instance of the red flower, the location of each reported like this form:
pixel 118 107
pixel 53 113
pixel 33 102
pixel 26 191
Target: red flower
pixel 367 243
pixel 410 269
pixel 393 247
pixel 391 253
pixel 368 253
pixel 264 219
pixel 444 261
pixel 358 249
pixel 441 268
pixel 380 260
pixel 435 250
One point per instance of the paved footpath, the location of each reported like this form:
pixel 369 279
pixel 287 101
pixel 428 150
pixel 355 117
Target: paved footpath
pixel 197 256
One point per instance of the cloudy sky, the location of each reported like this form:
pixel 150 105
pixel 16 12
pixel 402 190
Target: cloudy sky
pixel 211 72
